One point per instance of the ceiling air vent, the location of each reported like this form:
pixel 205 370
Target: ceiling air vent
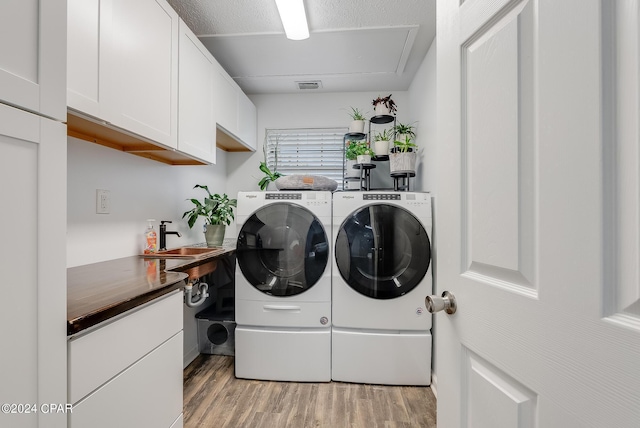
pixel 314 84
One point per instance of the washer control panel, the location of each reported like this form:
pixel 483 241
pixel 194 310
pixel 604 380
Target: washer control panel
pixel 381 197
pixel 284 196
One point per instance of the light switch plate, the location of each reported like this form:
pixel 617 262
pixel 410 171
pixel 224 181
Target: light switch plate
pixel 103 201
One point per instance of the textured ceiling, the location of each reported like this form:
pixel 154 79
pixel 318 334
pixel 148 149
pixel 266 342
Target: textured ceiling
pixel 354 45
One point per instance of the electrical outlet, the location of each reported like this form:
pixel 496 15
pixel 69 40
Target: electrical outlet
pixel 103 201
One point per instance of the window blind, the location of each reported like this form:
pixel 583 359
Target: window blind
pixel 317 151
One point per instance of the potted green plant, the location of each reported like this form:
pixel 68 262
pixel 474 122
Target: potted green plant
pixel 381 142
pixel 351 154
pixel 217 211
pixel 404 130
pixel 363 152
pixel 402 159
pixel 384 106
pixel 357 122
pixel 269 176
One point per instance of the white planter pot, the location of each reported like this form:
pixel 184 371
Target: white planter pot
pixel 350 171
pixel 381 109
pixel 364 159
pixel 357 126
pixel 402 162
pixel 381 147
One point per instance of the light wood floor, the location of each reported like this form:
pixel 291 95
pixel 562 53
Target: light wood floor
pixel 214 398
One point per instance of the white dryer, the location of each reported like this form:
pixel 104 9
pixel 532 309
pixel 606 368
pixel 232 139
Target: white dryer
pixel 283 286
pixel 381 275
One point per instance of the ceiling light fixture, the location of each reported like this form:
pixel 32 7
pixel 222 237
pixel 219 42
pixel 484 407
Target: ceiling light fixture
pixel 294 19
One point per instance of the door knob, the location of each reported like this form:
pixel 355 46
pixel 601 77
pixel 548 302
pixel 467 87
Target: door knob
pixel 436 304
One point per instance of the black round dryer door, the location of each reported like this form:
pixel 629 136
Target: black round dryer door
pixel 382 251
pixel 282 249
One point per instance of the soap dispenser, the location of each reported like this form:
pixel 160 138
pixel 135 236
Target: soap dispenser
pixel 150 239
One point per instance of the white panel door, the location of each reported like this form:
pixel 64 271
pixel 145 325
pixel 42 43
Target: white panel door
pixel 538 213
pixel 32 55
pixel 33 300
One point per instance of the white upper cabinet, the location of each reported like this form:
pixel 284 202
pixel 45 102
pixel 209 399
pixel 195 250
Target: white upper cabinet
pixel 235 113
pixel 88 30
pixel 32 76
pixel 196 120
pixel 123 65
pixel 144 68
pixel 247 121
pixel 139 68
pixel 226 101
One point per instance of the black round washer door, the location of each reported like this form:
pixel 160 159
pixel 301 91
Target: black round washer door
pixel 282 249
pixel 382 251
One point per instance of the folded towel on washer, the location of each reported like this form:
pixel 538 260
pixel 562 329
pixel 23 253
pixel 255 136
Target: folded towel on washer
pixel 306 182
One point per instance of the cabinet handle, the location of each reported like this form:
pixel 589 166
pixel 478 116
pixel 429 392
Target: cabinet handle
pixel 281 308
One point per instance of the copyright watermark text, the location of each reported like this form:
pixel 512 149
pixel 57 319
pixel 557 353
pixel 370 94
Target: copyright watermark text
pixel 26 408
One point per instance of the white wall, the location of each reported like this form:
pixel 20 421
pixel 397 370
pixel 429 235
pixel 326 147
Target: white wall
pixel 422 99
pixel 422 108
pixel 140 189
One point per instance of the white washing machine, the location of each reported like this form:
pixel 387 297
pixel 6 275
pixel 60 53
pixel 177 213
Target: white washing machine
pixel 283 286
pixel 381 275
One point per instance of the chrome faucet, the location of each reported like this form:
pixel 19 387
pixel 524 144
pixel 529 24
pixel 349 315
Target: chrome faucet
pixel 164 233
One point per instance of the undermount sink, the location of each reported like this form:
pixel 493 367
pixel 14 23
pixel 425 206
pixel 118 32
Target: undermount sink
pixel 185 253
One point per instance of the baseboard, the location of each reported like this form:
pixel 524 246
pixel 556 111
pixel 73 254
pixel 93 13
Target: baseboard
pixel 434 384
pixel 190 356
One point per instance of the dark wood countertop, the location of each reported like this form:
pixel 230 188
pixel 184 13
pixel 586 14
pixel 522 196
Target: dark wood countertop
pixel 100 291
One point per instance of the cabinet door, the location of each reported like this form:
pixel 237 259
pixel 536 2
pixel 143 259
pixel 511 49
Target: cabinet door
pixel 144 70
pixel 33 56
pixel 92 361
pixel 247 121
pixel 226 101
pixel 88 33
pixel 146 395
pixel 196 120
pixel 33 157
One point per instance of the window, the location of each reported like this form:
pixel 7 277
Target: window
pixel 306 151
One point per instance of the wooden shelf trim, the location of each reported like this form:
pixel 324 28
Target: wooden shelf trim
pixel 108 136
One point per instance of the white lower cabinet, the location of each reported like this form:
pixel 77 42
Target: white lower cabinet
pixel 148 391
